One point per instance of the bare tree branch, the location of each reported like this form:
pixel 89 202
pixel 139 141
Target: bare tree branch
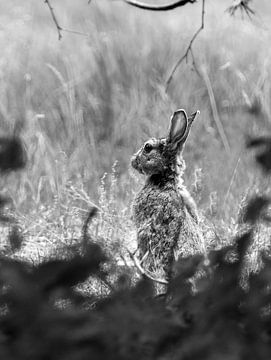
pixel 76 32
pixel 163 7
pixel 243 6
pixel 189 49
pixel 194 63
pixel 144 272
pixel 59 28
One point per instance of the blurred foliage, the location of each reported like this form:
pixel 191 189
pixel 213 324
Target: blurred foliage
pixel 12 154
pixel 44 316
pixel 264 155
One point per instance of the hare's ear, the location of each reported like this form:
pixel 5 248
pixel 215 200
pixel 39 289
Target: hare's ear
pixel 193 116
pixel 178 126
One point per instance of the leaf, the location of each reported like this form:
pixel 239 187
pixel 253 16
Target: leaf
pixel 185 268
pixel 259 141
pixel 15 239
pixel 243 243
pixel 255 209
pixel 264 156
pixel 70 272
pixel 12 154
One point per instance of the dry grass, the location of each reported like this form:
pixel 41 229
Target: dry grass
pixel 85 102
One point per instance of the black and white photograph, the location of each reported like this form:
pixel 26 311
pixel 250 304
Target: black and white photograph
pixel 135 164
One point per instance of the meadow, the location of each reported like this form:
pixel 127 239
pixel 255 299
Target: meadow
pixel 84 104
pixel 79 108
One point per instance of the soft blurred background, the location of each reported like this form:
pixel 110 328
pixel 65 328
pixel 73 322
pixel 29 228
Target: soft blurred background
pixel 83 105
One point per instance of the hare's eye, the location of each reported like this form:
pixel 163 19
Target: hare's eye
pixel 148 148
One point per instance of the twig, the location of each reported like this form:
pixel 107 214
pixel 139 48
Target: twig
pixel 93 211
pixel 76 32
pixel 189 48
pixel 143 271
pixel 241 5
pixel 164 7
pixel 144 257
pixel 194 63
pixel 107 283
pixel 59 28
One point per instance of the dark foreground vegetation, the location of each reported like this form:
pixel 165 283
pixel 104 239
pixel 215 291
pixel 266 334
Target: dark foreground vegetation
pixel 45 316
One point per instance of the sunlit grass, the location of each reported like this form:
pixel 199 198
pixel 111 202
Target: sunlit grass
pixel 85 102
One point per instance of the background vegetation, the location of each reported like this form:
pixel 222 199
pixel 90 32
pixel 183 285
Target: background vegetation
pixel 87 101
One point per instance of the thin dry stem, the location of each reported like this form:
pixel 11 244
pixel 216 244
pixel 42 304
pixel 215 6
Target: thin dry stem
pixel 232 177
pixel 59 28
pixel 243 6
pixel 216 117
pixel 188 50
pixel 143 271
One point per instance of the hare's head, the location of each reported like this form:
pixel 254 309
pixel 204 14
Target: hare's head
pixel 157 156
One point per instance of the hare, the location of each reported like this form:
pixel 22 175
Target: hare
pixel 165 214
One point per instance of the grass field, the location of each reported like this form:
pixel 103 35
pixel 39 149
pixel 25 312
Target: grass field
pixel 83 106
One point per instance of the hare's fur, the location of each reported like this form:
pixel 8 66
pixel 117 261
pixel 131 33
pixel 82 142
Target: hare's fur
pixel 165 214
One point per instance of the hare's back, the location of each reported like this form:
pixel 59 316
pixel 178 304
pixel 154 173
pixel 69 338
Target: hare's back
pixel 191 238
